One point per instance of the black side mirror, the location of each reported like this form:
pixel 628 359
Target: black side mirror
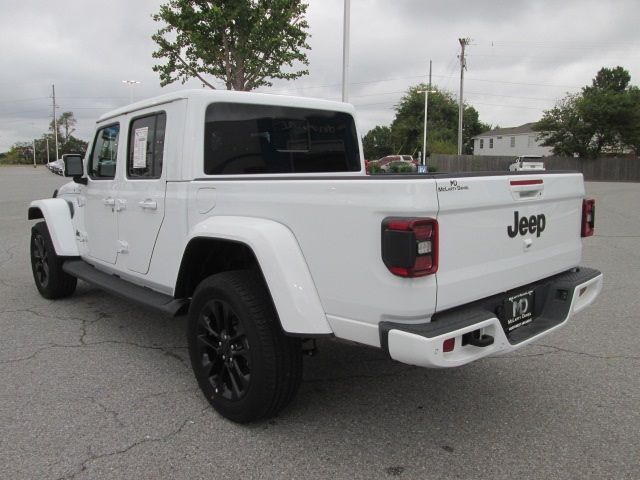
pixel 73 168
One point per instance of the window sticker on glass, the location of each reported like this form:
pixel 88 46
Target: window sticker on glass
pixel 140 147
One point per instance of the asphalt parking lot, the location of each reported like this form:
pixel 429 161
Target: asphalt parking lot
pixel 97 387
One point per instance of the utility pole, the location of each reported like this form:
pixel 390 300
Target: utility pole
pixel 463 65
pixel 345 50
pixel 47 139
pixel 55 120
pixel 34 154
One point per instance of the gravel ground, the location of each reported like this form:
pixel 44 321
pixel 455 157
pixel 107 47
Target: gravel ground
pixel 97 387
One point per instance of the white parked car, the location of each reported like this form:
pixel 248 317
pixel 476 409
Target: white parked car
pixel 253 214
pixel 527 163
pixel 57 167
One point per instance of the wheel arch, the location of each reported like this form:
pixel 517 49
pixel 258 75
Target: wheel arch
pixel 226 243
pixel 57 215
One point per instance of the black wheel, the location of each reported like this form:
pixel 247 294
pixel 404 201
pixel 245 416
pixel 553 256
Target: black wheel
pixel 246 367
pixel 51 280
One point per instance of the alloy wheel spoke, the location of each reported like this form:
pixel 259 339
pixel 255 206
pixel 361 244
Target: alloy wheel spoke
pixel 205 321
pixel 234 383
pixel 244 379
pixel 238 333
pixel 227 313
pixel 218 313
pixel 206 342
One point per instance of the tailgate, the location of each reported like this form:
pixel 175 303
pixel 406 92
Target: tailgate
pixel 500 232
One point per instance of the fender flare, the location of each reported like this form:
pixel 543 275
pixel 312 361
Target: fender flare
pixel 57 215
pixel 283 266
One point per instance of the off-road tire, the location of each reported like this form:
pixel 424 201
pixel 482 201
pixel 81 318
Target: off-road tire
pixel 245 343
pixel 52 282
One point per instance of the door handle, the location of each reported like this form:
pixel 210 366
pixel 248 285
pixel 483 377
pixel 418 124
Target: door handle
pixel 109 201
pixel 148 204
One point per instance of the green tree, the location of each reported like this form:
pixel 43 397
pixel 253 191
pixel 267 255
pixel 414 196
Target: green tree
pixel 67 143
pixel 442 137
pixel 564 128
pixel 377 143
pixel 242 42
pixel 603 118
pixel 66 122
pixel 19 153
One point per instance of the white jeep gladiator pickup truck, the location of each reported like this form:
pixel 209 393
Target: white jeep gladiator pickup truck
pixel 253 214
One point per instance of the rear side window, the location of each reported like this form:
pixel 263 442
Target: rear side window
pixel 104 154
pixel 146 146
pixel 255 139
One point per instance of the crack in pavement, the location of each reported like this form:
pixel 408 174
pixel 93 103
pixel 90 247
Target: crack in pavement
pixel 362 375
pixel 147 439
pixel 144 398
pixel 555 350
pixel 592 355
pixel 29 310
pixel 166 350
pixel 114 414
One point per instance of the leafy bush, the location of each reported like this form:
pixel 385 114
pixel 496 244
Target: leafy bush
pixel 374 168
pixel 401 167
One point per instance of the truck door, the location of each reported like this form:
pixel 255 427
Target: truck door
pixel 141 190
pixel 100 209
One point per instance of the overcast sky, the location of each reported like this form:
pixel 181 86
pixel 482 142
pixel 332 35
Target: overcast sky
pixel 524 55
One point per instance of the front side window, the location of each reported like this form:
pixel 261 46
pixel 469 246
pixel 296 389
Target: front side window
pixel 481 143
pixel 104 154
pixel 513 142
pixel 256 139
pixel 146 146
pixel 491 143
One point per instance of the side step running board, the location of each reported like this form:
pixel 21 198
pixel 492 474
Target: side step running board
pixel 112 284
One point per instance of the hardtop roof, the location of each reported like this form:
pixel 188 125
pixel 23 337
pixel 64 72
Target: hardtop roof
pixel 208 96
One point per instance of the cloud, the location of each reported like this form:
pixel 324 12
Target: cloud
pixel 523 56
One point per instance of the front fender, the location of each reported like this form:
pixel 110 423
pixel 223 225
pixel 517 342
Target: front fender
pixel 57 214
pixel 283 266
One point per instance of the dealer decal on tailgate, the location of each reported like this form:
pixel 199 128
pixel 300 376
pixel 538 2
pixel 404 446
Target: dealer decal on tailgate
pixel 518 310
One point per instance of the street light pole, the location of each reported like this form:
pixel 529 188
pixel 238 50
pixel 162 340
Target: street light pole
pixel 55 120
pixel 345 50
pixel 424 132
pixel 131 84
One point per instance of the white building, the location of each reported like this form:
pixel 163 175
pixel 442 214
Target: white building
pixel 515 141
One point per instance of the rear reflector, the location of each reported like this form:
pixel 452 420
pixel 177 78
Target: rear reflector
pixel 588 217
pixel 410 246
pixel 448 345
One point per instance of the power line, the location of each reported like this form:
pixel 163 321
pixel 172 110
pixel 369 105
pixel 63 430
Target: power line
pixel 546 57
pixel 23 100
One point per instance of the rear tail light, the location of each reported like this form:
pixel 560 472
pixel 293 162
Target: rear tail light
pixel 588 217
pixel 410 246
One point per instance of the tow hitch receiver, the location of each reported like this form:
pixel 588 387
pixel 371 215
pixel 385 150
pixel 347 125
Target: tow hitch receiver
pixel 477 339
